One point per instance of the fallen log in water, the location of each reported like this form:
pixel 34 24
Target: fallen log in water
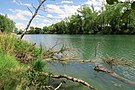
pixel 113 74
pixel 80 61
pixel 73 79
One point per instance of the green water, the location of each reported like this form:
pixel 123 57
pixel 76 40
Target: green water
pixel 84 45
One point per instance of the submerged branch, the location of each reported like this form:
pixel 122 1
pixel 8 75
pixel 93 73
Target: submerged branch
pixel 73 79
pixel 113 74
pixel 68 61
pixel 58 86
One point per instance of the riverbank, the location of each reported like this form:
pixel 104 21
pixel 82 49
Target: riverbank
pixel 19 61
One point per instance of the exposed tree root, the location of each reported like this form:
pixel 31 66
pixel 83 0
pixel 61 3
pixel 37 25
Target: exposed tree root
pixel 73 79
pixel 113 74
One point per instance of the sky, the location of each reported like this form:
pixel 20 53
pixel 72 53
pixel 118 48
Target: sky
pixel 52 12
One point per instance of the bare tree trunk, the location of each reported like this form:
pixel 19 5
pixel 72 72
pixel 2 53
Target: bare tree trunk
pixel 33 16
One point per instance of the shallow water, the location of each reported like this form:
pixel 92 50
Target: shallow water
pixel 91 47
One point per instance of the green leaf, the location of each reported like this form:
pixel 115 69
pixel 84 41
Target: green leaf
pixel 126 14
pixel 110 2
pixel 133 5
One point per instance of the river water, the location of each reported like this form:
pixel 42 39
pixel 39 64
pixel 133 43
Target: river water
pixel 89 47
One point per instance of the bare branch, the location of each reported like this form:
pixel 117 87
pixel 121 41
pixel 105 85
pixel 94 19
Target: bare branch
pixel 30 10
pixel 49 87
pixel 58 86
pixel 33 16
pixel 33 6
pixel 54 45
pixel 39 1
pixel 73 79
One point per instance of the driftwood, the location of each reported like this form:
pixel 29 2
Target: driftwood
pixel 113 74
pixel 58 86
pixel 73 79
pixel 68 61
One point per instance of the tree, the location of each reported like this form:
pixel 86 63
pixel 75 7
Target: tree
pixel 7 25
pixel 88 16
pixel 32 30
pixel 41 2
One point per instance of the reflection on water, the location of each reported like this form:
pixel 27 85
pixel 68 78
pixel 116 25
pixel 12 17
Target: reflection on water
pixel 89 46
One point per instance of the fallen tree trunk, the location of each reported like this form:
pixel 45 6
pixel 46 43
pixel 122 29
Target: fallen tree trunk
pixel 73 79
pixel 80 61
pixel 113 74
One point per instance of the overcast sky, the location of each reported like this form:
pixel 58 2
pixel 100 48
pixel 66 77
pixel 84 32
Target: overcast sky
pixel 55 11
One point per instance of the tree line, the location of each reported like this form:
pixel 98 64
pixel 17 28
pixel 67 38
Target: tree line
pixel 117 18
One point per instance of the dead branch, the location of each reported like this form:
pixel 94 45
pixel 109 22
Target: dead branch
pixel 53 46
pixel 58 86
pixel 68 61
pixel 30 10
pixel 113 74
pixel 33 16
pixel 49 87
pixel 73 79
pixel 33 6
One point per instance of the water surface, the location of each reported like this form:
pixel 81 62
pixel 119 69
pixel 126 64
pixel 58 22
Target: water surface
pixel 91 47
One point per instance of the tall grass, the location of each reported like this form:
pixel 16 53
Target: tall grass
pixel 15 75
pixel 9 68
pixel 22 50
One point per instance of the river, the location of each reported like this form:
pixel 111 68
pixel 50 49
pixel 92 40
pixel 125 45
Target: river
pixel 89 47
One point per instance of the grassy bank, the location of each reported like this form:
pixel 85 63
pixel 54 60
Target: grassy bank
pixel 22 50
pixel 9 69
pixel 20 64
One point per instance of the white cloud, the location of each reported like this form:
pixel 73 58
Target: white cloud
pixel 23 12
pixel 19 14
pixel 61 11
pixel 126 0
pixel 52 8
pixel 96 3
pixel 66 2
pixel 49 16
pixel 20 26
pixel 18 2
pixel 70 9
pixel 17 17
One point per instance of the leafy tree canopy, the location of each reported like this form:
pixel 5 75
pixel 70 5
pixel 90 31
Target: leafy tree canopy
pixel 7 25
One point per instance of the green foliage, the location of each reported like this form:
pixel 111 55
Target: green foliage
pixel 133 5
pixel 35 77
pixel 15 76
pixel 126 14
pixel 7 25
pixel 10 68
pixel 38 65
pixel 111 1
pixel 7 63
pixel 22 50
